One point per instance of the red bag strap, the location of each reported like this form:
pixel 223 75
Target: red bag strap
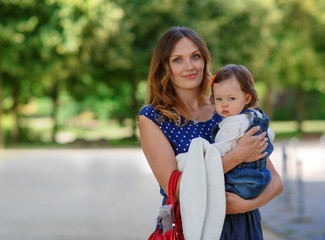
pixel 177 224
pixel 173 180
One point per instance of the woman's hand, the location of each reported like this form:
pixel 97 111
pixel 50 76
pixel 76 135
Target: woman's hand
pixel 251 148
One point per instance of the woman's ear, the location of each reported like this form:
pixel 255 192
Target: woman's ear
pixel 248 98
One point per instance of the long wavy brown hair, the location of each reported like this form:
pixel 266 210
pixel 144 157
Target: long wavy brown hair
pixel 161 92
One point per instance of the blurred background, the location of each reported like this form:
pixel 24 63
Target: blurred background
pixel 74 72
pixel 73 75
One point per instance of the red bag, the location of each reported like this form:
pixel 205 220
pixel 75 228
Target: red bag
pixel 176 233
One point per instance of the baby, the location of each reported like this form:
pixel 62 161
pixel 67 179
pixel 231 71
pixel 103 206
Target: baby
pixel 234 98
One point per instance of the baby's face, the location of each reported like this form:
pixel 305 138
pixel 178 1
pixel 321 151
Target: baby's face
pixel 229 99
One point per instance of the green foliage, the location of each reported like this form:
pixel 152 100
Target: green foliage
pixel 91 58
pixel 315 101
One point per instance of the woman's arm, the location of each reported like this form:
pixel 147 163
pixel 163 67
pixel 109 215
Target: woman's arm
pixel 158 151
pixel 274 188
pixel 236 204
pixel 249 148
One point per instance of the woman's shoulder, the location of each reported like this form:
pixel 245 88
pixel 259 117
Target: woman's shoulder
pixel 150 112
pixel 148 109
pixel 145 109
pixel 215 118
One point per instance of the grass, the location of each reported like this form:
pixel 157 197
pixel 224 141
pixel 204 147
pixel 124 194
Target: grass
pixel 289 129
pixel 112 134
pixel 292 126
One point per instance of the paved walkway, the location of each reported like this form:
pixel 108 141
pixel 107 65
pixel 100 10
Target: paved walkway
pixel 79 194
pixel 299 212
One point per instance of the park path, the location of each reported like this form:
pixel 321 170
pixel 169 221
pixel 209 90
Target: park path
pixel 78 194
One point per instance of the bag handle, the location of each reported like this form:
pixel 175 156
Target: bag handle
pixel 172 185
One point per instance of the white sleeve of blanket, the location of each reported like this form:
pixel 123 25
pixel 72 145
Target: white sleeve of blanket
pixel 271 134
pixel 231 129
pixel 269 130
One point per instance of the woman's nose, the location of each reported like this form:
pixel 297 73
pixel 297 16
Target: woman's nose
pixel 189 64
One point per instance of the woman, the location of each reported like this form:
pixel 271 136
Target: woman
pixel 179 110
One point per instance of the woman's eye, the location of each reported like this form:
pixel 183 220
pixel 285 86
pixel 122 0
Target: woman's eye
pixel 176 60
pixel 196 56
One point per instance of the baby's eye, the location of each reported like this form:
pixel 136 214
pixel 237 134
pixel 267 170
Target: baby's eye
pixel 218 99
pixel 232 99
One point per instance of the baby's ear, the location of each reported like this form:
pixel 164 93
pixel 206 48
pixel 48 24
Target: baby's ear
pixel 248 98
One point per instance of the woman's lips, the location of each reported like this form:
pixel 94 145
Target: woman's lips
pixel 190 75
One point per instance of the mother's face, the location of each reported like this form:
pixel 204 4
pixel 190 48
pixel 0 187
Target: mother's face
pixel 186 65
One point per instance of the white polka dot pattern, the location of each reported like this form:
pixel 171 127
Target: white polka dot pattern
pixel 181 136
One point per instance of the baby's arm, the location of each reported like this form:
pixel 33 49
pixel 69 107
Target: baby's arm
pixel 231 129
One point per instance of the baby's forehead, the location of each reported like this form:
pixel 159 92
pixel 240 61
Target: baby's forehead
pixel 230 80
pixel 226 94
pixel 228 85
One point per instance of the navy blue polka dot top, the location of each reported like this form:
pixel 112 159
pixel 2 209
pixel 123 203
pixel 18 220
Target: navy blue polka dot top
pixel 180 137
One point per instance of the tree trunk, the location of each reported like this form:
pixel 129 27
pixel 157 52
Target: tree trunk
pixel 15 126
pixel 268 102
pixel 2 142
pixel 134 106
pixel 54 95
pixel 300 108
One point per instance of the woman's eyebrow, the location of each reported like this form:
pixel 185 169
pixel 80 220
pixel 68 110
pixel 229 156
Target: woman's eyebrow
pixel 179 55
pixel 176 55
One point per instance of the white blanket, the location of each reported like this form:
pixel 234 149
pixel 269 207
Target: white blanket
pixel 202 191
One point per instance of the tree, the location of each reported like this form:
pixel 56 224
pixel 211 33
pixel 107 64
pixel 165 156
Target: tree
pixel 16 25
pixel 98 52
pixel 2 143
pixel 301 52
